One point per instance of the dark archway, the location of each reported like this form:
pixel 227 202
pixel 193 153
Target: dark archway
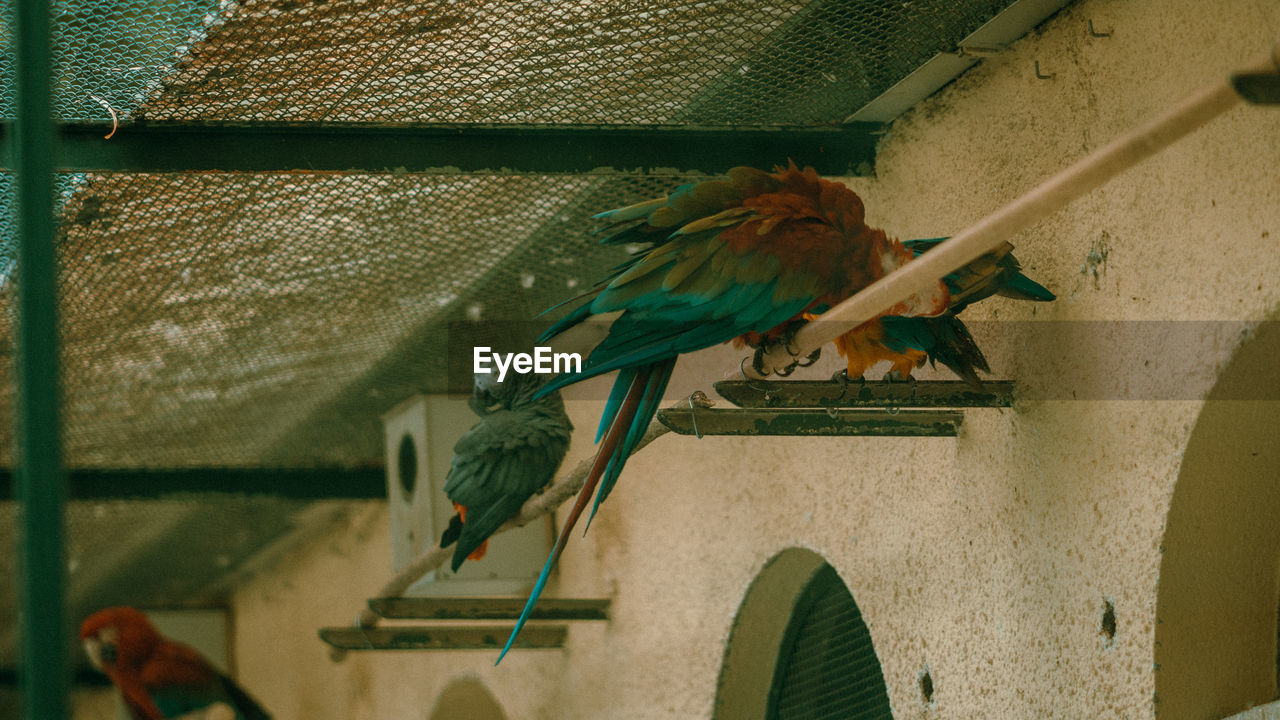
pixel 466 699
pixel 799 648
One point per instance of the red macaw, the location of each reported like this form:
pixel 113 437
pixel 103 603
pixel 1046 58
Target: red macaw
pixel 158 678
pixel 504 459
pixel 742 258
pixel 908 341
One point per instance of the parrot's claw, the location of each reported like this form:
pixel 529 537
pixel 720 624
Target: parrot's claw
pixel 799 363
pixel 895 376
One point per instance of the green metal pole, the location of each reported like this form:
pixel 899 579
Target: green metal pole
pixel 41 483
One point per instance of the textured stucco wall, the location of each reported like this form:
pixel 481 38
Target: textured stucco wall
pixel 987 558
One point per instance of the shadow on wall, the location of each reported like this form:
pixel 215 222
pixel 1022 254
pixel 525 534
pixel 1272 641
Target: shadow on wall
pixel 466 699
pixel 1217 597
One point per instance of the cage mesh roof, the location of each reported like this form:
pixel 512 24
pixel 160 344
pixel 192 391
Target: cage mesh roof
pixel 270 319
pixel 214 318
pixel 206 317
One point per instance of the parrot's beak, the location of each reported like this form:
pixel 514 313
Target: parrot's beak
pixel 93 649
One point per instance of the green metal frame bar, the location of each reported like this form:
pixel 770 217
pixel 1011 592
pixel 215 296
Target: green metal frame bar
pixel 317 483
pixel 376 148
pixel 41 483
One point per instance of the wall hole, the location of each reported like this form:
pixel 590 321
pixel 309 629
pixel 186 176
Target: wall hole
pixel 926 686
pixel 1108 623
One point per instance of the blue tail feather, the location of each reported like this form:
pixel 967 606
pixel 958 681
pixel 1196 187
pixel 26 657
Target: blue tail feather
pixel 654 389
pixel 642 408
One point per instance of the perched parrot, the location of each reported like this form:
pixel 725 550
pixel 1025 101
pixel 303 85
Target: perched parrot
pixel 743 257
pixel 158 678
pixel 908 341
pixel 506 457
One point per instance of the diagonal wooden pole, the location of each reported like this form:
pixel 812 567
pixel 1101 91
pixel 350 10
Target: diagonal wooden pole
pixel 984 236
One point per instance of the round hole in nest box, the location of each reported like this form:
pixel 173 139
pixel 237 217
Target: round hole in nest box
pixel 407 464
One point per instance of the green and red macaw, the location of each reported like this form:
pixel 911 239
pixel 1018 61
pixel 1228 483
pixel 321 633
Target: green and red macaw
pixel 504 459
pixel 741 258
pixel 907 341
pixel 156 677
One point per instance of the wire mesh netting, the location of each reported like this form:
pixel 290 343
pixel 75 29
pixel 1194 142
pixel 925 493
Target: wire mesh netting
pixel 109 55
pixel 715 61
pixel 203 331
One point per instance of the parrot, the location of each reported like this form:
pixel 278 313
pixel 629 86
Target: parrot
pixel 908 341
pixel 504 459
pixel 156 677
pixel 743 257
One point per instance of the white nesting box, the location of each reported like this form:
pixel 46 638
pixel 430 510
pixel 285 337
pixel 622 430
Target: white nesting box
pixel 419 434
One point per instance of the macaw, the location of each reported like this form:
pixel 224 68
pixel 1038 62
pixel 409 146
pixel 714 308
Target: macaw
pixel 156 677
pixel 743 257
pixel 907 342
pixel 506 457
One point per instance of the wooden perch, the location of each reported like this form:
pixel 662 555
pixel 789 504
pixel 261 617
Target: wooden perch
pixel 537 506
pixel 984 236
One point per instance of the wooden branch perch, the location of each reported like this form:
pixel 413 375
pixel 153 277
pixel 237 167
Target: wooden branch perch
pixel 537 506
pixel 1050 196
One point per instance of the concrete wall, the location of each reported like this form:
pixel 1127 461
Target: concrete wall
pixel 989 558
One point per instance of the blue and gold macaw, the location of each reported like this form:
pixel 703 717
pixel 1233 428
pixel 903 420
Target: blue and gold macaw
pixel 742 258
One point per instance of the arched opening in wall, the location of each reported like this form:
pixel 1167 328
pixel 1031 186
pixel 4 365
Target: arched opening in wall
pixel 799 648
pixel 1219 585
pixel 466 699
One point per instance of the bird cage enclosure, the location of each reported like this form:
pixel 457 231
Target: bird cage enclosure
pixel 274 218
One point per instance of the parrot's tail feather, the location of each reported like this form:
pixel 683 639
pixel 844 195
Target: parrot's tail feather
pixel 453 532
pixel 957 349
pixel 1021 287
pixel 655 384
pixel 612 439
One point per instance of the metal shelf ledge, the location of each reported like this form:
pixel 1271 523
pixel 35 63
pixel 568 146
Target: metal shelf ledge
pixel 819 422
pixel 460 637
pixel 858 394
pixel 489 608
